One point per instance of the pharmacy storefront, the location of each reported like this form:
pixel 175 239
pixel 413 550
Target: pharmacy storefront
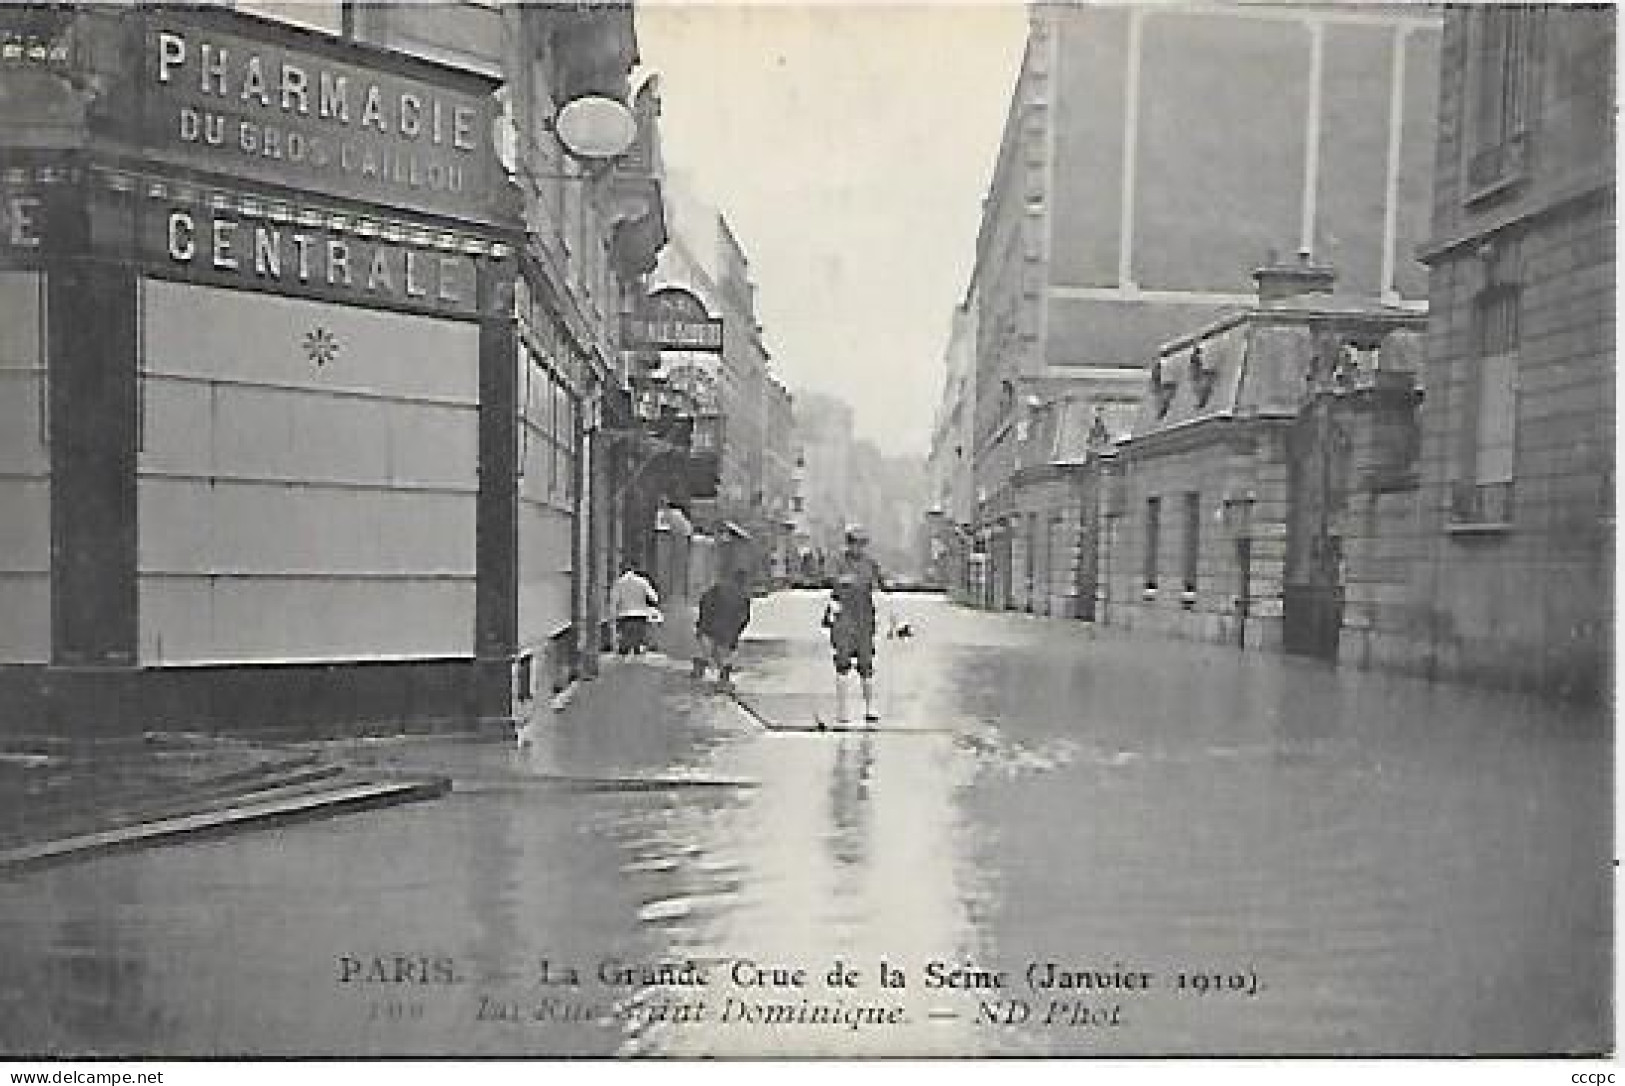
pixel 257 454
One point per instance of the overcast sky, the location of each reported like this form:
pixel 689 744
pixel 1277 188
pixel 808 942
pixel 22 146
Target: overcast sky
pixel 849 145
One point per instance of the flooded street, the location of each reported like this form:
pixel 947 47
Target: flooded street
pixel 1058 842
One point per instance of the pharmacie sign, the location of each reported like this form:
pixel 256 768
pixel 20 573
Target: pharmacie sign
pixel 268 111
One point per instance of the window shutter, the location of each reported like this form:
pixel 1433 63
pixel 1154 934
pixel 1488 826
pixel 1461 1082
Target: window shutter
pixel 1497 419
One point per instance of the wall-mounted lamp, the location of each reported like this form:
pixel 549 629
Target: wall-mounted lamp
pixel 595 127
pixel 594 130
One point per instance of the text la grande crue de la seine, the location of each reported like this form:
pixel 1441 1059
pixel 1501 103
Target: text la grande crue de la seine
pixel 746 972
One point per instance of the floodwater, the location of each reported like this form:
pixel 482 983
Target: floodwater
pixel 1058 842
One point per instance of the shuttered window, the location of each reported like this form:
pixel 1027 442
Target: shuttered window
pixel 1502 81
pixel 1496 425
pixel 1487 452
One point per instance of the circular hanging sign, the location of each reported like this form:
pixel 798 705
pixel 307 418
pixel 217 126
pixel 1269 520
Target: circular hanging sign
pixel 594 126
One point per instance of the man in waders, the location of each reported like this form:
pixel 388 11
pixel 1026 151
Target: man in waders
pixel 850 618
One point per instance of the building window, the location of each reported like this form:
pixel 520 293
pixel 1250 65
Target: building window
pixel 1153 528
pixel 1483 490
pixel 547 456
pixel 1163 388
pixel 1505 53
pixel 1193 539
pixel 1204 376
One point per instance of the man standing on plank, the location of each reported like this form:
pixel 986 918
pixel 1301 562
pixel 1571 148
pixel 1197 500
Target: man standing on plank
pixel 850 619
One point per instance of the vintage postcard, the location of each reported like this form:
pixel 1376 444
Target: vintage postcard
pixel 806 529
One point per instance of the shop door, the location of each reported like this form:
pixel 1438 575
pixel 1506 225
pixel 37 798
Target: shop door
pixel 1087 555
pixel 1004 561
pixel 1244 588
pixel 1317 492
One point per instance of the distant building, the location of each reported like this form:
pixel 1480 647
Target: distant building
pixel 886 496
pixel 737 386
pixel 843 480
pixel 778 477
pixel 824 440
pixel 949 481
pixel 1514 585
pixel 1152 156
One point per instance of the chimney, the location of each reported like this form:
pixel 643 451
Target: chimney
pixel 1279 279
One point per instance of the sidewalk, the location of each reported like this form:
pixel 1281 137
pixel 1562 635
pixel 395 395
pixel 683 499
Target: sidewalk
pixel 63 801
pixel 643 718
pixel 69 802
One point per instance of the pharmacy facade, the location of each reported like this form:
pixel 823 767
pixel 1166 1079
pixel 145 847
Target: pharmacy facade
pixel 258 460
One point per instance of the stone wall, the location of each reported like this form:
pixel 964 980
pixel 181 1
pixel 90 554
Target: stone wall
pixel 1524 600
pixel 1240 479
pixel 1046 545
pixel 1527 603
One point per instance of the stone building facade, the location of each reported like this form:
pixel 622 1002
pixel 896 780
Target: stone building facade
pixel 1151 156
pixel 1270 476
pixel 1514 571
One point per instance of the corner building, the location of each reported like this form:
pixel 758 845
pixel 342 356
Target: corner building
pixel 259 362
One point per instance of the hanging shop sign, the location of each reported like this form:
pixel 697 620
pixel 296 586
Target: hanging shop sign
pixel 672 319
pixel 275 112
pixel 310 259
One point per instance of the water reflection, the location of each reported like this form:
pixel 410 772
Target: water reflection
pixel 842 854
pixel 849 803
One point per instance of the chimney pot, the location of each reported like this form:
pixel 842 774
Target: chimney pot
pixel 1282 280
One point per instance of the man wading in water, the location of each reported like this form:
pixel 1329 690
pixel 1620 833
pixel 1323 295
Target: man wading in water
pixel 724 614
pixel 850 619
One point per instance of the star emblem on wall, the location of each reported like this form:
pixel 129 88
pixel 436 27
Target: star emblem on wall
pixel 321 346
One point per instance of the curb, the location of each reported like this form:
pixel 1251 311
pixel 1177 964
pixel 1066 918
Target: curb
pixel 261 815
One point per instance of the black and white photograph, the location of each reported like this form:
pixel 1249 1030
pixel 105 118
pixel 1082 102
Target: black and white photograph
pixel 806 530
